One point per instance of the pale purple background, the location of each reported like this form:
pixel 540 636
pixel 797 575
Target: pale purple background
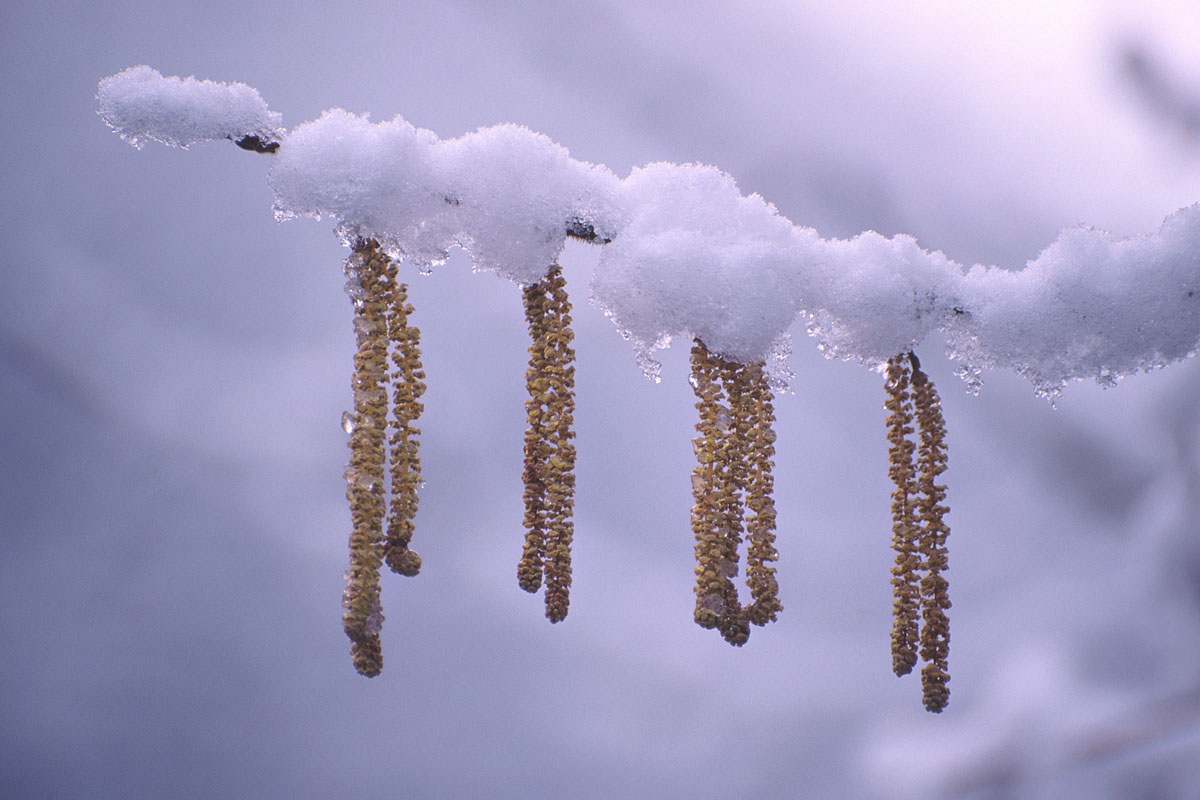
pixel 175 365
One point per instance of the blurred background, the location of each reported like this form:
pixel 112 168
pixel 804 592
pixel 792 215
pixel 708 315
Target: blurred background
pixel 175 365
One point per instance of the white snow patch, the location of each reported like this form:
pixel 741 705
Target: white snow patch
pixel 141 105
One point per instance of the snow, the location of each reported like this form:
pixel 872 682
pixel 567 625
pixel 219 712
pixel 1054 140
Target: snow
pixel 698 259
pixel 517 191
pixel 1089 306
pixel 504 194
pixel 688 255
pixel 374 180
pixel 141 105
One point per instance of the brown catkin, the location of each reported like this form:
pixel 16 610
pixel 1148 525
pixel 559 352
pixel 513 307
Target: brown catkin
pixel 907 566
pixel 531 566
pixel 934 589
pixel 714 584
pixel 366 653
pixel 560 428
pixel 366 269
pixel 732 424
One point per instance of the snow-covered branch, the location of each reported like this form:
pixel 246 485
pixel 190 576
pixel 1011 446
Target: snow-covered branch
pixel 690 255
pixel 141 105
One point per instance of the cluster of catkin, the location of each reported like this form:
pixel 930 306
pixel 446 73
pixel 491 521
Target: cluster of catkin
pixel 732 483
pixel 733 477
pixel 379 445
pixel 549 473
pixel 919 589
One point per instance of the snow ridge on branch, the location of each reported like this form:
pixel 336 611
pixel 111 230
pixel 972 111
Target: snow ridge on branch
pixel 687 254
pixel 141 105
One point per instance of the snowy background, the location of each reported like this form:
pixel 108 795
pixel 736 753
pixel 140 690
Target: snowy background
pixel 175 365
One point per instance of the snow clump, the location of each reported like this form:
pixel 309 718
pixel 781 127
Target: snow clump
pixel 141 105
pixel 697 259
pixel 504 194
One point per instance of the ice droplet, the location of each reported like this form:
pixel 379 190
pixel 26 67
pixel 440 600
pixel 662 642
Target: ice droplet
pixel 347 422
pixel 651 368
pixel 369 396
pixel 714 603
pixel 367 327
pixel 375 619
pixel 972 377
pixel 779 375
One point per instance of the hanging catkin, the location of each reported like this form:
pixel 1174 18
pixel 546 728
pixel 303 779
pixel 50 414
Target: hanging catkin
pixel 549 472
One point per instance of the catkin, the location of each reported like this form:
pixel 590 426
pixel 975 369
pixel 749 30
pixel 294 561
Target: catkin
pixel 907 565
pixel 366 270
pixel 934 589
pixel 408 385
pixel 537 449
pixel 733 476
pixel 761 552
pixel 549 471
pixel 717 603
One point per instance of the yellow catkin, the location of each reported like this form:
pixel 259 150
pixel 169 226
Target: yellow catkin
pixel 408 386
pixel 732 477
pixel 549 473
pixel 907 566
pixel 733 425
pixel 362 619
pixel 934 589
pixel 713 581
pixel 761 552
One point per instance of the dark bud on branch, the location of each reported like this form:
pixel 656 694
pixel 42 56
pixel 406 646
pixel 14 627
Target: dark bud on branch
pixel 255 144
pixel 578 229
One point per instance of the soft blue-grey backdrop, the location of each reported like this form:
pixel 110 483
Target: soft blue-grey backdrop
pixel 174 364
